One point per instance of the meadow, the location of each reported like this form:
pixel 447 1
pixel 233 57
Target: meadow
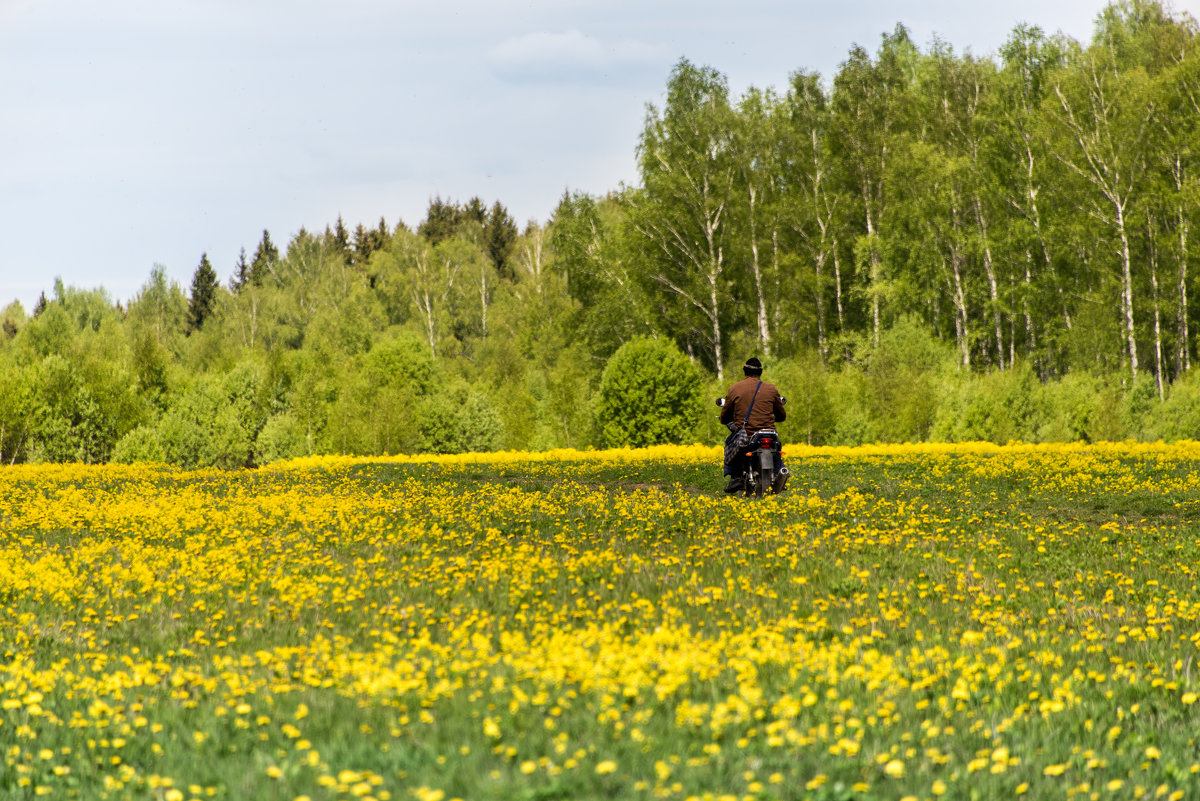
pixel 905 622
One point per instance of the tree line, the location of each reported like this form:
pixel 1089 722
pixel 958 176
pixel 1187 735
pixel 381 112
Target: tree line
pixel 929 244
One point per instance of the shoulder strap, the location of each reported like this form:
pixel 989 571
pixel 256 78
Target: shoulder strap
pixel 752 397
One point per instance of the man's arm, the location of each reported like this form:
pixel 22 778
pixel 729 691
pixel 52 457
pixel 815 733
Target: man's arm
pixel 777 408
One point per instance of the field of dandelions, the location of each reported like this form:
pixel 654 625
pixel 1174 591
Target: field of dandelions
pixel 905 622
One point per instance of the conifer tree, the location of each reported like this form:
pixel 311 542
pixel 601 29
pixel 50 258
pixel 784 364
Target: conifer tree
pixel 499 234
pixel 204 294
pixel 367 241
pixel 241 273
pixel 266 256
pixel 475 210
pixel 341 239
pixel 441 220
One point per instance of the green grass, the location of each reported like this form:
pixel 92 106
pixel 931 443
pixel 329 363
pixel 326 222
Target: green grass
pixel 987 625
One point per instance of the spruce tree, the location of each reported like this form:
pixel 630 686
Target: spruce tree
pixel 441 221
pixel 367 241
pixel 499 234
pixel 204 294
pixel 241 273
pixel 360 246
pixel 266 256
pixel 341 239
pixel 475 210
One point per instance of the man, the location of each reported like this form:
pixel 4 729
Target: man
pixel 757 398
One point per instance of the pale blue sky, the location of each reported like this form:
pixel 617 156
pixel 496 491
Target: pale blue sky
pixel 144 132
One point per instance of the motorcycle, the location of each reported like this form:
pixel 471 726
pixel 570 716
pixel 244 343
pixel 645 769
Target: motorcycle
pixel 759 461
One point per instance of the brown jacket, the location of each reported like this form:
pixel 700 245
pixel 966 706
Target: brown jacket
pixel 768 406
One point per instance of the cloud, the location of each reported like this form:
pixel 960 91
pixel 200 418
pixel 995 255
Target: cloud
pixel 572 57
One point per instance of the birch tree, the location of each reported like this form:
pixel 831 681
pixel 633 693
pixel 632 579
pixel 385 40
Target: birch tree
pixel 1102 118
pixel 1028 58
pixel 869 110
pixel 683 213
pixel 812 200
pixel 756 151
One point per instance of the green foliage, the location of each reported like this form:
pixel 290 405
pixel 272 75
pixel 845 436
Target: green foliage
pixel 150 368
pixel 592 251
pixel 367 242
pixel 139 445
pixel 564 414
pixel 854 423
pixel 679 219
pixel 159 314
pixel 998 407
pixel 376 403
pixel 12 320
pixel 1082 407
pixel 266 256
pixel 458 420
pixel 1178 417
pixel 649 394
pixel 15 407
pixel 204 291
pixel 47 333
pixel 805 383
pixel 403 361
pixel 901 381
pixel 214 422
pixel 241 273
pixel 500 234
pixel 441 220
pixel 68 423
pixel 924 245
pixel 282 437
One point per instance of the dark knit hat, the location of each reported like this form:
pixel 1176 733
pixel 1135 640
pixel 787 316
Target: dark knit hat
pixel 752 366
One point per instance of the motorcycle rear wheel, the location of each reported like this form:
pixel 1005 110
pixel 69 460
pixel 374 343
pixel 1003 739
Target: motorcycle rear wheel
pixel 758 483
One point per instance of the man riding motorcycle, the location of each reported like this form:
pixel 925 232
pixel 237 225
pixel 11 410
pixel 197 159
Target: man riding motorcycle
pixel 750 405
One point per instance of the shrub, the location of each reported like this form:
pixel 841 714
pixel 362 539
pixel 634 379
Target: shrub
pixel 139 445
pixel 1082 407
pixel 67 422
pixel 377 406
pixel 215 422
pixel 649 395
pixel 996 407
pixel 1178 416
pixel 459 421
pixel 902 380
pixel 853 422
pixel 282 437
pixel 805 383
